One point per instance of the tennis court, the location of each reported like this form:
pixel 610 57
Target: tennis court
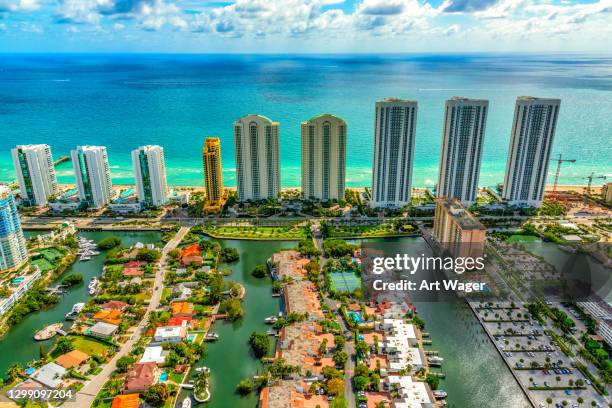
pixel 345 281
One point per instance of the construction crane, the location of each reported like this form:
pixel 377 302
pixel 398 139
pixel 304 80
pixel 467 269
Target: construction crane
pixel 588 189
pixel 559 161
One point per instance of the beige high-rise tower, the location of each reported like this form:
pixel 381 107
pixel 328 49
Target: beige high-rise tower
pixel 256 140
pixel 324 157
pixel 213 176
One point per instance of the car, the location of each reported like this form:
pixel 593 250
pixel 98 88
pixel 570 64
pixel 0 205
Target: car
pixel 568 392
pixel 545 384
pixel 587 381
pixel 361 394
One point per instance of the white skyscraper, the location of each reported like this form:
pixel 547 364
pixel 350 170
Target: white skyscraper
pixel 13 252
pixel 35 173
pixel 394 134
pixel 256 141
pixel 92 174
pixel 324 157
pixel 150 175
pixel 533 131
pixel 463 136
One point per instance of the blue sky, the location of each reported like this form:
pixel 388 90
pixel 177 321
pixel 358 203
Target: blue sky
pixel 277 26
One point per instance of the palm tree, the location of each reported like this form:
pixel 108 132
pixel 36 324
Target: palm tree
pixel 548 401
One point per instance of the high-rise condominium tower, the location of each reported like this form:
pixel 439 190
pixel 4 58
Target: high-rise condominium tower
pixel 13 252
pixel 394 133
pixel 533 131
pixel 462 139
pixel 150 175
pixel 256 141
pixel 35 173
pixel 324 157
pixel 213 175
pixel 92 174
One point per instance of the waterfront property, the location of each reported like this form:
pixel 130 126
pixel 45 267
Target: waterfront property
pixel 462 139
pixel 213 171
pixel 257 142
pixel 150 175
pixel 35 173
pixel 533 132
pixel 394 137
pixel 457 230
pixel 92 174
pixel 324 157
pixel 13 252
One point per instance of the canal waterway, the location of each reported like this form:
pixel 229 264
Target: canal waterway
pixel 230 359
pixel 476 375
pixel 18 345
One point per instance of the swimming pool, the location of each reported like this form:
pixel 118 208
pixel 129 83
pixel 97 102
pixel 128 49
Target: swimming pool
pixel 163 377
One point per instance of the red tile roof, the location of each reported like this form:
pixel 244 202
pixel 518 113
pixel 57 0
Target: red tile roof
pixel 140 377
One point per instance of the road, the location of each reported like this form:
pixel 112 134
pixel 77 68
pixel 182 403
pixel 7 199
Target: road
pixel 87 395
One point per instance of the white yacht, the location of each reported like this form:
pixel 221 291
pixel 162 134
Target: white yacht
pixel 74 313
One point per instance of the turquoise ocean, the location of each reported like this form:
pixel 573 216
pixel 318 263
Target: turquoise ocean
pixel 123 101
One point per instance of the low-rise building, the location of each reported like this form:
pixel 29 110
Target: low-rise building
pixel 22 283
pixel 50 375
pixel 140 377
pixel 412 394
pixel 72 359
pixel 154 354
pixel 126 401
pixel 169 334
pixel 102 330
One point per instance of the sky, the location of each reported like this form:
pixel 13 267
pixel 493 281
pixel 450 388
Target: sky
pixel 306 26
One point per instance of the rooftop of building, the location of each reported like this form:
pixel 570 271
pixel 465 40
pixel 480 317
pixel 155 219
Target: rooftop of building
pixel 255 115
pixel 461 215
pixel 126 401
pixel 393 99
pixel 466 99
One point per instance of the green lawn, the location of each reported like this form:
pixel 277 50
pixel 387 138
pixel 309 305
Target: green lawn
pixel 89 346
pixel 289 233
pixel 523 238
pixel 367 231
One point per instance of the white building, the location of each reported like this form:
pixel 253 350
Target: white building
pixel 20 287
pixel 92 174
pixel 35 173
pixel 155 354
pixel 462 139
pixel 400 344
pixel 150 175
pixel 169 334
pixel 394 135
pixel 412 394
pixel 533 132
pixel 256 140
pixel 50 375
pixel 13 251
pixel 324 158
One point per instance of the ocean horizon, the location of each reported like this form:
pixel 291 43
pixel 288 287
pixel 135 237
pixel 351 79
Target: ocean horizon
pixel 124 101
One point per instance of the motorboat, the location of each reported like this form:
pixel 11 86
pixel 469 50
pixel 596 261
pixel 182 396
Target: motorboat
pixel 186 403
pixel 212 336
pixel 440 394
pixel 271 319
pixel 74 313
pixel 435 361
